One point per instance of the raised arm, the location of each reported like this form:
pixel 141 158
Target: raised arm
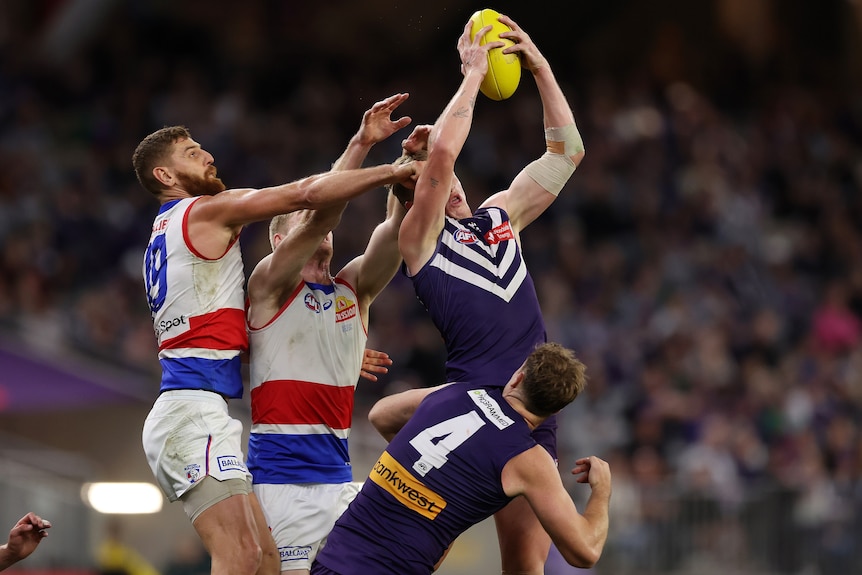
pixel 370 272
pixel 424 220
pixel 536 187
pixel 377 125
pixel 276 276
pixel 579 538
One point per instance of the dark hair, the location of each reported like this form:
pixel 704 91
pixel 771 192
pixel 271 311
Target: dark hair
pixel 403 193
pixel 553 378
pixel 154 150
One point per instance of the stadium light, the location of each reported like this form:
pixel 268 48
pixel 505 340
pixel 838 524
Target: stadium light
pixel 123 498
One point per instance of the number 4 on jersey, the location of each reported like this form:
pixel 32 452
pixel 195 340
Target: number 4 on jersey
pixel 449 435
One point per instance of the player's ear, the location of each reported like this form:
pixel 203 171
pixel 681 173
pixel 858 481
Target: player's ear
pixel 517 379
pixel 163 175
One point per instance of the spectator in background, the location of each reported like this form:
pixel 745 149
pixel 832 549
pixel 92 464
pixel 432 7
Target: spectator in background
pixel 24 537
pixel 116 557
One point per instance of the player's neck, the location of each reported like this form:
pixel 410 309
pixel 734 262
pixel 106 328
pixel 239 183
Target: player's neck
pixel 533 420
pixel 317 271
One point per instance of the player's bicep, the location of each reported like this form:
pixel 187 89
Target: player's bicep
pixel 524 201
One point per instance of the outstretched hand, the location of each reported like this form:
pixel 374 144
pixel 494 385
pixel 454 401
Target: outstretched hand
pixel 23 539
pixel 474 54
pixel 377 123
pixel 374 361
pixel 531 58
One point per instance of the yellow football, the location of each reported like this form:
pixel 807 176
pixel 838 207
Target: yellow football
pixel 504 70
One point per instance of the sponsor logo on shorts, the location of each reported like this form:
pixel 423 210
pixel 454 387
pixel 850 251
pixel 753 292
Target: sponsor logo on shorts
pixel 230 462
pixel 345 309
pixel 407 490
pixel 193 472
pixel 464 237
pixel 499 234
pixel 294 553
pixel 490 408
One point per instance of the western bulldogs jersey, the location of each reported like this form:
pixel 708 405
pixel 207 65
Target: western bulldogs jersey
pixel 481 298
pixel 439 476
pixel 304 368
pixel 197 305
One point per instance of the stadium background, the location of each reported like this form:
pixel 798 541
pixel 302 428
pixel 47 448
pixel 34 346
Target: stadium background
pixel 704 261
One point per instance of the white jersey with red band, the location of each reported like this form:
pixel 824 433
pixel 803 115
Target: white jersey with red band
pixel 197 305
pixel 304 366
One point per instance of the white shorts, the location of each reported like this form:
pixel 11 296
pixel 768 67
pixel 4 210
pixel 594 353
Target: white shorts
pixel 301 517
pixel 188 435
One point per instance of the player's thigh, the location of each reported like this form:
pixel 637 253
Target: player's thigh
pixel 300 518
pixel 269 551
pixel 524 544
pixel 223 515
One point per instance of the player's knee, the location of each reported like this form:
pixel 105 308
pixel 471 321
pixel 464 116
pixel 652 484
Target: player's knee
pixel 244 558
pixel 270 562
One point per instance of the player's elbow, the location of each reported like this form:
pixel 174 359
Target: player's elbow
pixel 582 559
pixel 578 158
pixel 381 419
pixel 310 193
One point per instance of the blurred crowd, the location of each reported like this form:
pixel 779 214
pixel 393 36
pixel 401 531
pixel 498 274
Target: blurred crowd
pixel 705 262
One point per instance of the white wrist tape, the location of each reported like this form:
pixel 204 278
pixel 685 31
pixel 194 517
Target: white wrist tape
pixel 569 135
pixel 551 171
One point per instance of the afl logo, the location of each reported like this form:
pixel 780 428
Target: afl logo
pixel 464 237
pixel 312 303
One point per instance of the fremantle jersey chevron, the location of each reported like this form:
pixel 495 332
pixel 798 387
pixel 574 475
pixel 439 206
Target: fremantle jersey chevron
pixel 481 298
pixel 197 305
pixel 304 367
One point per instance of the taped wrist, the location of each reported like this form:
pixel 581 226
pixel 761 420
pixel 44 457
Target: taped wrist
pixel 551 171
pixel 569 136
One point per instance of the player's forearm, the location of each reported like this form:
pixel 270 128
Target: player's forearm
pixel 353 156
pixel 327 189
pixel 596 515
pixel 7 558
pixel 453 126
pixel 555 106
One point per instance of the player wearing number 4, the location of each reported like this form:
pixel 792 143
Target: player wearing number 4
pixel 307 333
pixel 467 268
pixel 194 278
pixel 465 453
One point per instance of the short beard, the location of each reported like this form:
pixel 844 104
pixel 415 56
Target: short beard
pixel 197 186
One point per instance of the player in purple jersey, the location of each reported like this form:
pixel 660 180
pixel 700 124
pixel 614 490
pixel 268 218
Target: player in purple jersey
pixel 465 453
pixel 194 283
pixel 467 268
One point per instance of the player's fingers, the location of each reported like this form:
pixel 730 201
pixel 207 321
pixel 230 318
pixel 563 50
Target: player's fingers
pixel 477 39
pixel 508 22
pixel 403 122
pixel 366 375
